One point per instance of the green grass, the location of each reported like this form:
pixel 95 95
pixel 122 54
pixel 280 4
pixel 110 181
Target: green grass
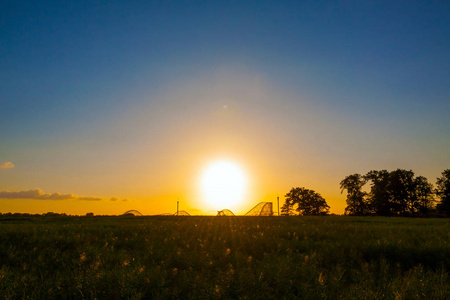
pixel 225 257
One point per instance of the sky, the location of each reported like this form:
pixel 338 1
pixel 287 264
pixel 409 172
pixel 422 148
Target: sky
pixel 108 106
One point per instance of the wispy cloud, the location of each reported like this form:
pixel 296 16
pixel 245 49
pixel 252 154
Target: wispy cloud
pixel 38 194
pixel 89 198
pixel 6 165
pixel 117 199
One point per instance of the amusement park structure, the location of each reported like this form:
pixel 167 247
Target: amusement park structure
pixel 132 213
pixel 225 213
pixel 261 209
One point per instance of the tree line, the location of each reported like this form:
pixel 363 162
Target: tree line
pixel 396 193
pixel 379 192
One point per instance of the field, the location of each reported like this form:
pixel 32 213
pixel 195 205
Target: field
pixel 224 257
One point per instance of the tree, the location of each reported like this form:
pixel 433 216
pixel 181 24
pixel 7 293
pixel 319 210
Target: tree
pixel 356 199
pixel 379 199
pixel 424 195
pixel 287 209
pixel 391 193
pixel 402 192
pixel 307 202
pixel 409 194
pixel 443 192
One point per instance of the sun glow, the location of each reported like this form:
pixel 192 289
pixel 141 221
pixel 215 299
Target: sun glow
pixel 223 184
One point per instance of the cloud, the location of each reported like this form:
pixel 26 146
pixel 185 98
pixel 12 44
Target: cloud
pixel 6 165
pixel 38 194
pixel 117 199
pixel 57 196
pixel 89 198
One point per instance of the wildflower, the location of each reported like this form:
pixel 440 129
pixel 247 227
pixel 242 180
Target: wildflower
pixel 320 278
pixel 397 295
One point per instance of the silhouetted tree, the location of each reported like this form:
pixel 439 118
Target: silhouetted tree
pixel 409 195
pixel 391 193
pixel 356 199
pixel 307 202
pixel 443 192
pixel 402 192
pixel 379 199
pixel 424 195
pixel 287 209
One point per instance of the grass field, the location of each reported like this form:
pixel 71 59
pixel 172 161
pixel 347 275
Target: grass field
pixel 224 257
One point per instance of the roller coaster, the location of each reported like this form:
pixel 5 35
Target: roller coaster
pixel 181 213
pixel 225 213
pixel 261 209
pixel 132 213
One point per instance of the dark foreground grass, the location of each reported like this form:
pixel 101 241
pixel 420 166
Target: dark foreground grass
pixel 224 257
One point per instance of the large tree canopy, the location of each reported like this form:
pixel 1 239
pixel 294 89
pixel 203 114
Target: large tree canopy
pixel 356 198
pixel 391 193
pixel 305 202
pixel 443 192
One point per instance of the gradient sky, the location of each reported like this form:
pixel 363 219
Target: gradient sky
pixel 107 106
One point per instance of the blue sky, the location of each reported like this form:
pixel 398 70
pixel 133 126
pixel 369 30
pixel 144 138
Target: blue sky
pixel 331 87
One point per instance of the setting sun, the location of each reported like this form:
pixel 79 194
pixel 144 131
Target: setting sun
pixel 223 184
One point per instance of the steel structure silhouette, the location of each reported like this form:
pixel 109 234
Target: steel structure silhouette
pixel 225 213
pixel 132 212
pixel 261 209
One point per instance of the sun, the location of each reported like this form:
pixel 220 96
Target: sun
pixel 223 184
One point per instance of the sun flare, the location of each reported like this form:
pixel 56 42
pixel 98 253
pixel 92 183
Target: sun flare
pixel 223 184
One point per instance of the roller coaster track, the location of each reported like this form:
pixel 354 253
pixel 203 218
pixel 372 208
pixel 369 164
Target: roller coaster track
pixel 132 212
